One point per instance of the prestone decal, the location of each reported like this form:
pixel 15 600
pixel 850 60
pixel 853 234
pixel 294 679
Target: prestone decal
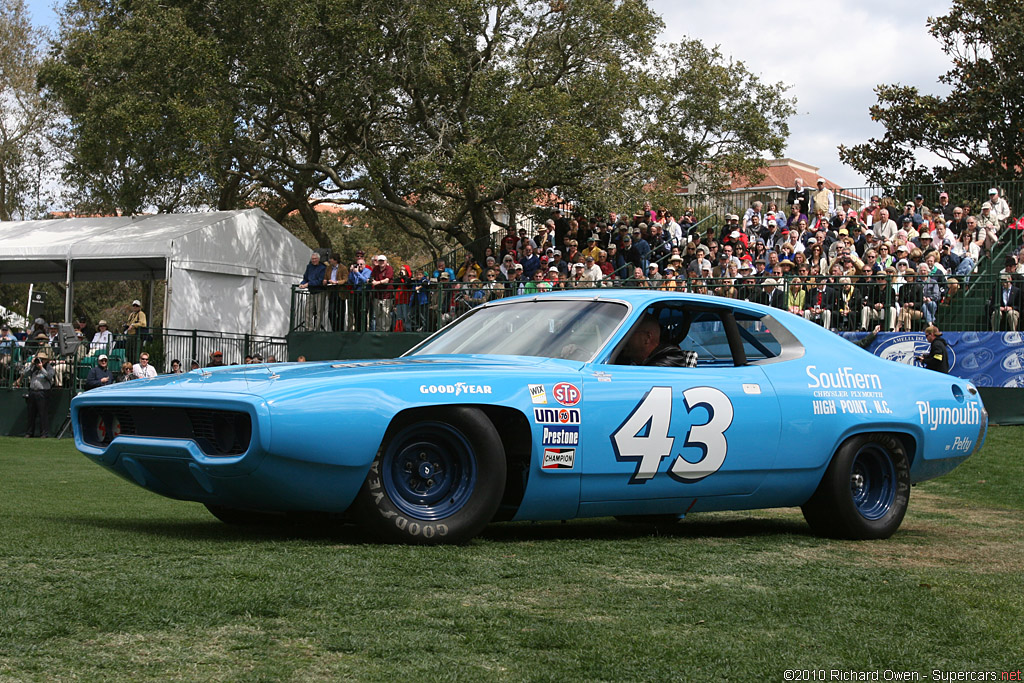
pixel 560 436
pixel 558 458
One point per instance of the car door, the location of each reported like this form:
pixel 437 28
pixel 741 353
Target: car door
pixel 663 433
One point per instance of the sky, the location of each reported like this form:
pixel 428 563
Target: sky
pixel 834 55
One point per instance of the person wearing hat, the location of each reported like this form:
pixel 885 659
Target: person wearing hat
pixel 38 377
pixel 1006 305
pixel 924 242
pixel 137 318
pixel 770 233
pixel 919 206
pixel 592 248
pixel 592 272
pixel 7 340
pixel 822 199
pixel 944 207
pixel 216 359
pixel 654 275
pixel 99 375
pixel 53 335
pixel 103 339
pixel 909 210
pixel 1000 209
pixel 382 278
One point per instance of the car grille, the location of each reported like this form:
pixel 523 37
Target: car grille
pixel 216 432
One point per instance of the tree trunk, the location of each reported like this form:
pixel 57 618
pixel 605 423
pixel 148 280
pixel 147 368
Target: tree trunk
pixel 312 220
pixel 481 232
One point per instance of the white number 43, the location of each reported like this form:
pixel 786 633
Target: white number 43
pixel 644 435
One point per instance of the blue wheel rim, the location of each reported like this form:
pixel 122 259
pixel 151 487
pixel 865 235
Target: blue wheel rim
pixel 429 471
pixel 873 481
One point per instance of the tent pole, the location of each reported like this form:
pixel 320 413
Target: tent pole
pixel 149 303
pixel 69 294
pixel 167 288
pixel 254 317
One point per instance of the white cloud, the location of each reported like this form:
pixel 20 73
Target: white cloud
pixel 831 53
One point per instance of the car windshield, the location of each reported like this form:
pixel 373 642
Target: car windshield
pixel 567 329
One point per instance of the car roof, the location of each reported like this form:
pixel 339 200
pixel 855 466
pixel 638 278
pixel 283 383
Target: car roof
pixel 639 298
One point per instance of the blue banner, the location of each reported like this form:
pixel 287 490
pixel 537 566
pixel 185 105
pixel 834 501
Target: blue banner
pixel 989 359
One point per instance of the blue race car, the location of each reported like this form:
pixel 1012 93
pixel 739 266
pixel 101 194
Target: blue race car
pixel 638 404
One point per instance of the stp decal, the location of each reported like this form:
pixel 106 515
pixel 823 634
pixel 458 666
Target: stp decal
pixel 567 394
pixel 558 458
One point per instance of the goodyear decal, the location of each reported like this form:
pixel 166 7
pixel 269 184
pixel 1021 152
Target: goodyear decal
pixel 457 389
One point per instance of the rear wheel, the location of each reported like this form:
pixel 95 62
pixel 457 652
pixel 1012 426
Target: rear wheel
pixel 438 479
pixel 865 490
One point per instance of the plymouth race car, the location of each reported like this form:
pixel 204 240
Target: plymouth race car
pixel 529 408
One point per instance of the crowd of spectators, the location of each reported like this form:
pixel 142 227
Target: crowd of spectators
pixel 102 356
pixel 843 267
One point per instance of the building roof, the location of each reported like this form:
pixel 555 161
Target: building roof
pixel 780 174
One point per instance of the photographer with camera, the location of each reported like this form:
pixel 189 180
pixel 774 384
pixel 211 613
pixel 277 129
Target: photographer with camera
pixel 38 377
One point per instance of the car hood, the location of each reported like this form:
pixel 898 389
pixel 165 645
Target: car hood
pixel 280 379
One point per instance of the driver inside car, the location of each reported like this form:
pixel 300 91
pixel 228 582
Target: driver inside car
pixel 644 347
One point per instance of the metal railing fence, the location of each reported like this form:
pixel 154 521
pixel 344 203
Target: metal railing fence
pixel 162 346
pixel 955 303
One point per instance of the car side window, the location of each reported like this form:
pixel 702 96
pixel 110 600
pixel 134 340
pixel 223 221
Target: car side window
pixel 705 333
pixel 718 337
pixel 758 341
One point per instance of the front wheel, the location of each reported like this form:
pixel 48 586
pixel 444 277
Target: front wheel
pixel 865 490
pixel 438 479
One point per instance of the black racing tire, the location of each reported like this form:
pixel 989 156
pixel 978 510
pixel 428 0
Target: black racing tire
pixel 437 478
pixel 239 517
pixel 865 490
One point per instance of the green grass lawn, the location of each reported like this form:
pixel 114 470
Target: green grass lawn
pixel 100 580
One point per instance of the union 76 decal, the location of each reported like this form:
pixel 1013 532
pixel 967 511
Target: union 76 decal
pixel 644 436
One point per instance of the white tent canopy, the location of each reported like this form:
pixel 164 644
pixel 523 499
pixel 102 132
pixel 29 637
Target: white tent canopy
pixel 228 271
